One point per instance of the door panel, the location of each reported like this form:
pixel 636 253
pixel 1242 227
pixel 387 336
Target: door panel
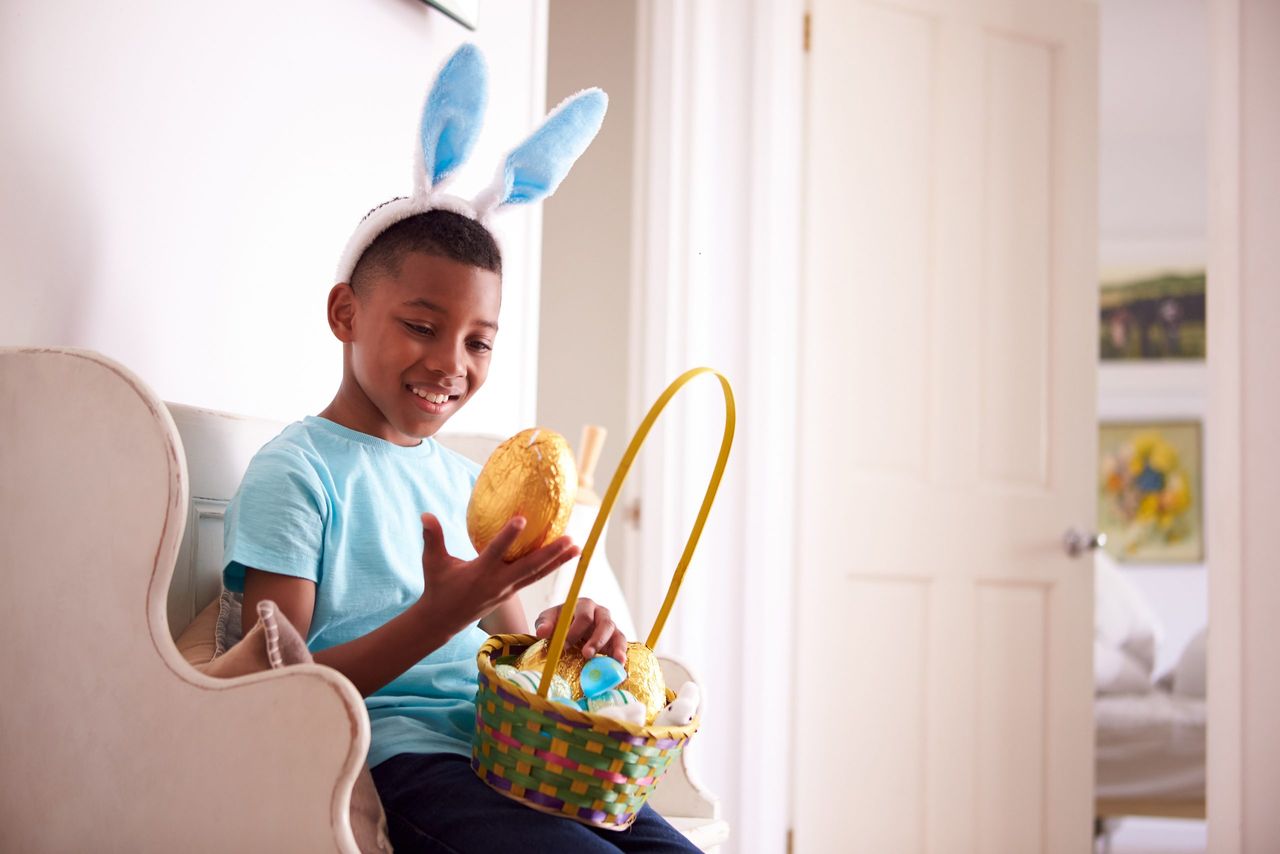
pixel 1017 250
pixel 946 425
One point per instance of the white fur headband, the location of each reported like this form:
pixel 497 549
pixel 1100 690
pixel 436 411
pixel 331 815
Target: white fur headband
pixel 451 119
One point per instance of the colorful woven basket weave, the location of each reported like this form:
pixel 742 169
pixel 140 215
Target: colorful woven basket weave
pixel 553 757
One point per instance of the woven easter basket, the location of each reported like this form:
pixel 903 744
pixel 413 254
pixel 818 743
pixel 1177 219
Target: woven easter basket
pixel 555 758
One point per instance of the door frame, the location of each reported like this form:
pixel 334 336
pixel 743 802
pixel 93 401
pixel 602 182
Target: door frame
pixel 1244 654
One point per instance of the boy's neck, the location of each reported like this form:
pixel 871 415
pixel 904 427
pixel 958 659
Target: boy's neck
pixel 352 409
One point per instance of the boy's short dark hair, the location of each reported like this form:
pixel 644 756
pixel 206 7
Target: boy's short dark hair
pixel 434 232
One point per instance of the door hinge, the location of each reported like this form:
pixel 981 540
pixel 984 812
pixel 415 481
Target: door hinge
pixel 631 513
pixel 808 28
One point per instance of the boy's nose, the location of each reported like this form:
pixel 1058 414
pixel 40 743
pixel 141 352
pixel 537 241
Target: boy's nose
pixel 446 360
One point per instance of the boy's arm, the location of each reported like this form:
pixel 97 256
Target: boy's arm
pixel 369 661
pixel 294 597
pixel 456 594
pixel 506 619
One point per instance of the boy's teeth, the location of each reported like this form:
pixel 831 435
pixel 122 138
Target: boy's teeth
pixel 429 397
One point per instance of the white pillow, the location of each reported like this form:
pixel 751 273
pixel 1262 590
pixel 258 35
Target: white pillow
pixel 1124 625
pixel 1115 672
pixel 1189 675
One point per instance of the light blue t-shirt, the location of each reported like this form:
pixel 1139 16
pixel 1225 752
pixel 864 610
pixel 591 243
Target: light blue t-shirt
pixel 343 509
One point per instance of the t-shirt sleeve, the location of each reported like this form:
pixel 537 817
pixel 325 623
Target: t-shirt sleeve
pixel 276 521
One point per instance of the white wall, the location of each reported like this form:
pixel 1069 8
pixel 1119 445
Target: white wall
pixel 584 340
pixel 1153 173
pixel 180 178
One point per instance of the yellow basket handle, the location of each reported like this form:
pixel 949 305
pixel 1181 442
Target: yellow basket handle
pixel 606 505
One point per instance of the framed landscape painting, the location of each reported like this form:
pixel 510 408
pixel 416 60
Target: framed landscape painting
pixel 1152 313
pixel 1149 491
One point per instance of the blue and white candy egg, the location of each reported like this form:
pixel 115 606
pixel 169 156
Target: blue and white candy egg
pixel 612 697
pixel 530 680
pixel 600 675
pixel 560 689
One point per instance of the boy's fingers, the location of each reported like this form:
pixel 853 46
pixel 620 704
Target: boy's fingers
pixel 432 537
pixel 498 545
pixel 554 554
pixel 580 628
pixel 545 625
pixel 602 630
pixel 618 647
pixel 560 550
pixel 531 567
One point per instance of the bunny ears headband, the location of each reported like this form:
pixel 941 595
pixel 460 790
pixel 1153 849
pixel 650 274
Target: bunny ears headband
pixel 451 119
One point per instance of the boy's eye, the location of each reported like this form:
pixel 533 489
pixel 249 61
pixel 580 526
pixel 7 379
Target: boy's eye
pixel 480 346
pixel 420 330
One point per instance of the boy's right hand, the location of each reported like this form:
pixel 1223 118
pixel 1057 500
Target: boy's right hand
pixel 457 593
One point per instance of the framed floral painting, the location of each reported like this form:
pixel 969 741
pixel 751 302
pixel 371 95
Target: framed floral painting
pixel 1149 491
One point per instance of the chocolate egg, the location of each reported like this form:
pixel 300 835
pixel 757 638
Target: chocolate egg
pixel 533 475
pixel 644 673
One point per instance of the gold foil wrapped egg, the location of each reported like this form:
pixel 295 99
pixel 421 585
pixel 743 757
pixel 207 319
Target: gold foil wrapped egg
pixel 644 679
pixel 568 668
pixel 533 475
pixel 644 673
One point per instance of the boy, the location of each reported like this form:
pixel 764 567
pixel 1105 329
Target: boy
pixel 354 523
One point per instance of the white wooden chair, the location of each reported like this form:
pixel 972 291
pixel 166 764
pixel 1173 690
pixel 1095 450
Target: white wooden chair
pixel 110 740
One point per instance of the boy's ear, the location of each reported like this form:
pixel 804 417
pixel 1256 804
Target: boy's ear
pixel 342 312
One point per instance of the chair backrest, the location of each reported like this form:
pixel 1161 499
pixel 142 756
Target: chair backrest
pixel 218 447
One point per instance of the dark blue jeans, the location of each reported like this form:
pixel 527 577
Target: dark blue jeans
pixel 436 803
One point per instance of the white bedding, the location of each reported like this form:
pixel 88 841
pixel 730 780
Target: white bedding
pixel 1150 746
pixel 1126 631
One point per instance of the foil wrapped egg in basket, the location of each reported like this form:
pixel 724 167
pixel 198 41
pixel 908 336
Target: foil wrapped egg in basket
pixel 644 674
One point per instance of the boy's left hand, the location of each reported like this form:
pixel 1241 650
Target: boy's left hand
pixel 592 629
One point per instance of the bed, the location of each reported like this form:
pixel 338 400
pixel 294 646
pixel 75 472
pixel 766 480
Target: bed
pixel 1150 755
pixel 111 510
pixel 1149 735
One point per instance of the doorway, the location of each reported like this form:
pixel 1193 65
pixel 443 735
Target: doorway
pixel 1151 581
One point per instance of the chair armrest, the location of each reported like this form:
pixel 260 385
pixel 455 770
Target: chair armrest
pixel 264 761
pixel 110 739
pixel 681 793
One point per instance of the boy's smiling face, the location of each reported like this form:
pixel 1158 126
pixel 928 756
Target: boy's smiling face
pixel 417 343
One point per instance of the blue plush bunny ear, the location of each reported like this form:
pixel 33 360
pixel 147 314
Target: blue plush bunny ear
pixel 451 117
pixel 537 166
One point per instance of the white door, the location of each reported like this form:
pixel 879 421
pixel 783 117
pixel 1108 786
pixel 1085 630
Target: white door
pixel 946 421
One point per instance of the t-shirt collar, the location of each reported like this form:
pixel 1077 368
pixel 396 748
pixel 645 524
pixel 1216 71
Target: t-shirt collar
pixel 425 448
